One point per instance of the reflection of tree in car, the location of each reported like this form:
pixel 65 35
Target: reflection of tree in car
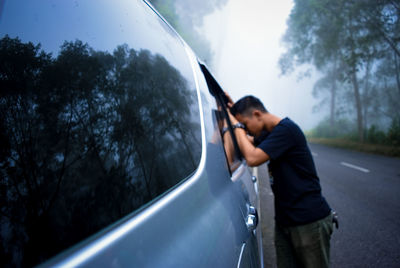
pixel 87 137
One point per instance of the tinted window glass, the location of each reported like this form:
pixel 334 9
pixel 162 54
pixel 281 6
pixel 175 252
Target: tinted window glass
pixel 232 152
pixel 98 116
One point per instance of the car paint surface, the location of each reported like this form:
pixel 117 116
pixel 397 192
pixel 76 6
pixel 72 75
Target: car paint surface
pixel 199 222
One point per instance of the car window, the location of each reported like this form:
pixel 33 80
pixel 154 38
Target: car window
pixel 232 151
pixel 98 116
pixel 231 148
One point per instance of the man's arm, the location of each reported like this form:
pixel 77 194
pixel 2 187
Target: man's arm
pixel 228 145
pixel 254 156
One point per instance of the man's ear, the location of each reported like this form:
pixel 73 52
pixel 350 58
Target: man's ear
pixel 257 113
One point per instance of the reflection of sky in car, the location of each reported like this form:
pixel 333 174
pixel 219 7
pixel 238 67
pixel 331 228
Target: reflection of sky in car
pixel 61 21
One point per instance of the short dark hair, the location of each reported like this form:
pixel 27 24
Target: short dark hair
pixel 246 105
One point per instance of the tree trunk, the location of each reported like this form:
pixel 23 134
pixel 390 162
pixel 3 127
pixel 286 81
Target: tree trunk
pixel 397 71
pixel 333 98
pixel 366 97
pixel 357 97
pixel 332 112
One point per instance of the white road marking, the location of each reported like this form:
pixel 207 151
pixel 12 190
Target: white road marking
pixel 314 154
pixel 355 167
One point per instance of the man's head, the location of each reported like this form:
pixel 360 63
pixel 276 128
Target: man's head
pixel 249 110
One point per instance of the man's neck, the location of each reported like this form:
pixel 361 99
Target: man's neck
pixel 270 121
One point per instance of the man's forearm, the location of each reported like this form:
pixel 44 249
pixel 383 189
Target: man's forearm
pixel 253 155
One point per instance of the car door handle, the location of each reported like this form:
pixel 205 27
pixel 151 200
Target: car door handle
pixel 252 218
pixel 254 180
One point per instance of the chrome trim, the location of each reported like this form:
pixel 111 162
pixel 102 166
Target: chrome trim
pixel 252 219
pixel 146 2
pixel 241 255
pixel 251 222
pixel 255 183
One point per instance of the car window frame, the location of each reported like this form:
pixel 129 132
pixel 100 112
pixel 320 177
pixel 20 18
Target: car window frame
pixel 222 114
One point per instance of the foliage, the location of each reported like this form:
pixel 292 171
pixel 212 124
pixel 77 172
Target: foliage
pixel 394 133
pixel 346 131
pixel 388 150
pixel 342 128
pixel 186 16
pixel 376 136
pixel 355 44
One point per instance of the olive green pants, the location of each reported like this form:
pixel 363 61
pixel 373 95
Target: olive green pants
pixel 305 245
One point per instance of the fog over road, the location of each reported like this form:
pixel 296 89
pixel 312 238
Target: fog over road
pixel 365 191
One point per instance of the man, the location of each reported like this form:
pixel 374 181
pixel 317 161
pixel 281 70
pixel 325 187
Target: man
pixel 303 219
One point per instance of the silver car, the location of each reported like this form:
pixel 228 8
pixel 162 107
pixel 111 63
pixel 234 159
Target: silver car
pixel 116 150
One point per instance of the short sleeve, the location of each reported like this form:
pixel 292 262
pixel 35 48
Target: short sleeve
pixel 278 142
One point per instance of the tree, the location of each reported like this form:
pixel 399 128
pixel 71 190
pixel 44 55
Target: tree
pixel 313 36
pixel 341 39
pixel 186 16
pixel 328 83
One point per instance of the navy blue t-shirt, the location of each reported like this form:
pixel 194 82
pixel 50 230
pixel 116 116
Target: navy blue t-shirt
pixel 294 179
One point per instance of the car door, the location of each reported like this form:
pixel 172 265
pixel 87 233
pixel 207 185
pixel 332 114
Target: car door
pixel 241 176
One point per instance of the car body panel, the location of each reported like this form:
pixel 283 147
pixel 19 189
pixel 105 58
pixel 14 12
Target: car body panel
pixel 200 221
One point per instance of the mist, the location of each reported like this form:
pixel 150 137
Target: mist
pixel 333 69
pixel 245 39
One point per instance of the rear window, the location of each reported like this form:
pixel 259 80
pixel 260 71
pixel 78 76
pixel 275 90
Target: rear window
pixel 98 117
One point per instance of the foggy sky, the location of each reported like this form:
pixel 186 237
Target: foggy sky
pixel 245 39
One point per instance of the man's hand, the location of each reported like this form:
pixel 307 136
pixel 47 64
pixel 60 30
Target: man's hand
pixel 232 118
pixel 254 156
pixel 230 101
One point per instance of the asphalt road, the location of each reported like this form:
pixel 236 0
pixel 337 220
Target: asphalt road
pixel 365 191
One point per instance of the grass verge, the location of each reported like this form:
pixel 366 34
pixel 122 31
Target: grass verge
pixel 357 146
